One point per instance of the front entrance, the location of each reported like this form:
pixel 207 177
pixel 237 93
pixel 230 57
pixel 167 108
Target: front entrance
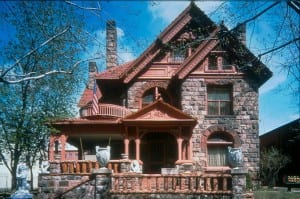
pixel 158 150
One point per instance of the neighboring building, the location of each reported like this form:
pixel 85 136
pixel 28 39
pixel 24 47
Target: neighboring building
pixel 286 138
pixel 192 93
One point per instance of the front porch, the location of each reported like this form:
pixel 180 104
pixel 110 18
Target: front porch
pixel 158 137
pixel 67 178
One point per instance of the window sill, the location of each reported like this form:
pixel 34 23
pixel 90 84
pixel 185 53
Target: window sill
pixel 218 169
pixel 219 116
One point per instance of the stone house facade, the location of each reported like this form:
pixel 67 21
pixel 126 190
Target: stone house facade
pixel 176 108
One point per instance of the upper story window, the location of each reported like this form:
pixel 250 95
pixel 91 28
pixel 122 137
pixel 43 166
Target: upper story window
pixel 219 100
pixel 217 62
pixel 148 97
pixel 178 55
pixel 154 93
pixel 217 149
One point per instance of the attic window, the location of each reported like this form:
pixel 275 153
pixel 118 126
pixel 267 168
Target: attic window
pixel 217 62
pixel 225 64
pixel 213 62
pixel 178 55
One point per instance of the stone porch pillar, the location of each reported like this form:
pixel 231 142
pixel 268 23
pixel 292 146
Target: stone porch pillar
pixel 137 148
pixel 239 182
pixel 179 146
pixel 126 146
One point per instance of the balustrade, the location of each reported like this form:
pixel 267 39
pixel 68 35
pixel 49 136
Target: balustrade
pixel 109 110
pixel 85 166
pixel 153 183
pixel 179 183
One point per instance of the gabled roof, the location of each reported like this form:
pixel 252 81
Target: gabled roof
pixel 129 71
pixel 160 112
pixel 87 96
pixel 114 72
pixel 247 61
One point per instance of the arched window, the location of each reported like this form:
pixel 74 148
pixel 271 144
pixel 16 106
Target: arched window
pixel 153 93
pixel 217 149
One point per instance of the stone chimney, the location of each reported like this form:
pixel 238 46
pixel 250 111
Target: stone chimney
pixel 111 44
pixel 240 32
pixel 93 70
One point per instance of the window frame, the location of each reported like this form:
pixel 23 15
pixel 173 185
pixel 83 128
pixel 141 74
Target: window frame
pixel 222 63
pixel 178 55
pixel 161 92
pixel 229 89
pixel 225 141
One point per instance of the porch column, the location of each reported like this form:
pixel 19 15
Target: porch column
pixel 126 145
pixel 179 146
pixel 63 141
pixel 190 152
pixel 137 148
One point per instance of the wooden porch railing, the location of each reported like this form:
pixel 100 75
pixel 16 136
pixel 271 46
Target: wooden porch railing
pixel 180 183
pixel 86 166
pixel 110 110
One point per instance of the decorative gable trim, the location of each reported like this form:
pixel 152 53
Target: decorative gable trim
pixel 169 33
pixel 141 62
pixel 160 111
pixel 201 52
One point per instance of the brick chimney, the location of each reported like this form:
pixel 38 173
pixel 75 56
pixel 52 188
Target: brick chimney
pixel 93 70
pixel 111 44
pixel 240 32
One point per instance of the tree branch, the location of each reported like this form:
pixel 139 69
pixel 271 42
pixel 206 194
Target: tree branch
pixel 84 8
pixel 28 76
pixel 281 46
pixel 32 51
pixel 259 14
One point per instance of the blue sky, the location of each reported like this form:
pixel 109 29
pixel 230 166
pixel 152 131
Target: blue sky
pixel 140 22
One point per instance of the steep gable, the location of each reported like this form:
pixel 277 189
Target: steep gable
pixel 178 29
pixel 197 35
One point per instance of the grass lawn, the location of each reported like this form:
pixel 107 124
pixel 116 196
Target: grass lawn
pixel 276 195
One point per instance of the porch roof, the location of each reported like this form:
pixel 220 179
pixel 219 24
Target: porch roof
pixel 159 113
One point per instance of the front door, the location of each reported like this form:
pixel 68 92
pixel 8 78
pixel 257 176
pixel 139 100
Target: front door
pixel 158 150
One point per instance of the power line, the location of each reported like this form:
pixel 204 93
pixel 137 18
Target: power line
pixel 281 46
